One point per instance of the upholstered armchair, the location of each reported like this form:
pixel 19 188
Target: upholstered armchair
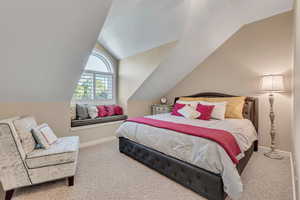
pixel 20 167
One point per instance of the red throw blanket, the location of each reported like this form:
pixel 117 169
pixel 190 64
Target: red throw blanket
pixel 223 138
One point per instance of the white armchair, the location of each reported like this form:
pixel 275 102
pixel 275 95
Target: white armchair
pixel 21 166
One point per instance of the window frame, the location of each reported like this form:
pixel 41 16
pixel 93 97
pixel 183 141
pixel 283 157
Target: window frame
pixel 112 68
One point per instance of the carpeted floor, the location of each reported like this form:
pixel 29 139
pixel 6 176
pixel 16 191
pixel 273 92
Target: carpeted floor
pixel 103 173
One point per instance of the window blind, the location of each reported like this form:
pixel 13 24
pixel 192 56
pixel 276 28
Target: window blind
pixel 94 86
pixel 85 87
pixel 103 86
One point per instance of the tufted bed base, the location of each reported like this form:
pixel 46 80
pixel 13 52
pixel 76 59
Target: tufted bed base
pixel 203 182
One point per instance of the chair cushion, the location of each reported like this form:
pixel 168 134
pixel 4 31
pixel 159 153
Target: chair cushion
pixel 64 150
pixel 23 127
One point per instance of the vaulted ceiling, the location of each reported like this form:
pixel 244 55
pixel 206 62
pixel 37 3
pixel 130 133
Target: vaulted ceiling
pixel 45 44
pixel 134 26
pixel 209 24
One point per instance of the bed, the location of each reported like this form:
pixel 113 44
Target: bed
pixel 211 178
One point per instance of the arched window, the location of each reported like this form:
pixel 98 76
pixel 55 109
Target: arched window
pixel 97 80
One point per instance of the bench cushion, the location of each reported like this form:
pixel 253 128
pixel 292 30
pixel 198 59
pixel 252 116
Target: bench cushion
pixel 85 122
pixel 64 150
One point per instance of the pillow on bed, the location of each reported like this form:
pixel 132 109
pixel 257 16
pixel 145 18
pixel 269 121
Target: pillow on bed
pixel 189 112
pixel 205 111
pixel 234 106
pixel 176 107
pixel 219 109
pixel 191 103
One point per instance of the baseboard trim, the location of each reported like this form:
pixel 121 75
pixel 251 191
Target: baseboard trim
pixel 293 176
pixel 266 149
pixel 95 142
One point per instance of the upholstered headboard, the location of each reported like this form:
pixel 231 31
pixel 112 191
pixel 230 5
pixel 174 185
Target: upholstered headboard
pixel 250 110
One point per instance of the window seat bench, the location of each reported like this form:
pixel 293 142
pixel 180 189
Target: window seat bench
pixel 86 122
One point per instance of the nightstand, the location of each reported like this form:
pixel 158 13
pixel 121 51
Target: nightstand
pixel 161 108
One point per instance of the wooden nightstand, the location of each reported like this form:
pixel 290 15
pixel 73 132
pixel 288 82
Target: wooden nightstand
pixel 161 108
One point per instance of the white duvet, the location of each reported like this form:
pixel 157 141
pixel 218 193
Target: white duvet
pixel 201 152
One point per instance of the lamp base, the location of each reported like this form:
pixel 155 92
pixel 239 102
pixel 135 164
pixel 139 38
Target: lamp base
pixel 273 155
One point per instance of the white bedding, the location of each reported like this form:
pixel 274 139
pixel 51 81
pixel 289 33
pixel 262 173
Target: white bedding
pixel 201 152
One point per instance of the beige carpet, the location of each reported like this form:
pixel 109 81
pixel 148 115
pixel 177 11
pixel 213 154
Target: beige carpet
pixel 103 173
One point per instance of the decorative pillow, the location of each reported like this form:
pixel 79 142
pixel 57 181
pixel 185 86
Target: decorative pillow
pixel 234 106
pixel 205 111
pixel 110 110
pixel 73 111
pixel 23 127
pixel 47 133
pixel 102 111
pixel 82 111
pixel 39 138
pixel 176 107
pixel 189 112
pixel 118 110
pixel 93 112
pixel 219 109
pixel 191 103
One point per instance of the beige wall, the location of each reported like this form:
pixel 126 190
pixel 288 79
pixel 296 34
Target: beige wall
pixel 138 108
pixel 56 114
pixel 296 98
pixel 263 47
pixel 133 71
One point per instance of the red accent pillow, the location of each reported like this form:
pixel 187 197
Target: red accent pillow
pixel 102 111
pixel 118 110
pixel 205 111
pixel 110 110
pixel 176 107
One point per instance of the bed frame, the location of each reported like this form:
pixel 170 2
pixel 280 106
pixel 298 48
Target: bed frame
pixel 201 181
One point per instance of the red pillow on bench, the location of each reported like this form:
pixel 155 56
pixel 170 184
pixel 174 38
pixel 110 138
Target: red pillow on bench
pixel 118 110
pixel 102 112
pixel 110 110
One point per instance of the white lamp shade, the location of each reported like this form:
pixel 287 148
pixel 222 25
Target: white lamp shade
pixel 272 83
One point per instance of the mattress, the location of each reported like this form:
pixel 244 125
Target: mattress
pixel 201 152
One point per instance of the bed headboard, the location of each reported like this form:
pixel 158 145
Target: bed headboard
pixel 250 110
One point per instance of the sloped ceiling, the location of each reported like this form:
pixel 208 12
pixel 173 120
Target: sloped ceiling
pixel 135 26
pixel 209 24
pixel 45 45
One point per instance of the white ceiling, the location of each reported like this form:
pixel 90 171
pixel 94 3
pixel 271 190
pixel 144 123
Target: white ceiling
pixel 209 24
pixel 45 45
pixel 134 26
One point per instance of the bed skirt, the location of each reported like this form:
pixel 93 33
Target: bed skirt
pixel 201 181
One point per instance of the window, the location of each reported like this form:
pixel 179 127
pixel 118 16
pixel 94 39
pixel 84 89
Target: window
pixel 97 80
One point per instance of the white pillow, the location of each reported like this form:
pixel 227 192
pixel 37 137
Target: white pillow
pixel 39 138
pixel 48 134
pixel 192 103
pixel 189 112
pixel 93 112
pixel 219 109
